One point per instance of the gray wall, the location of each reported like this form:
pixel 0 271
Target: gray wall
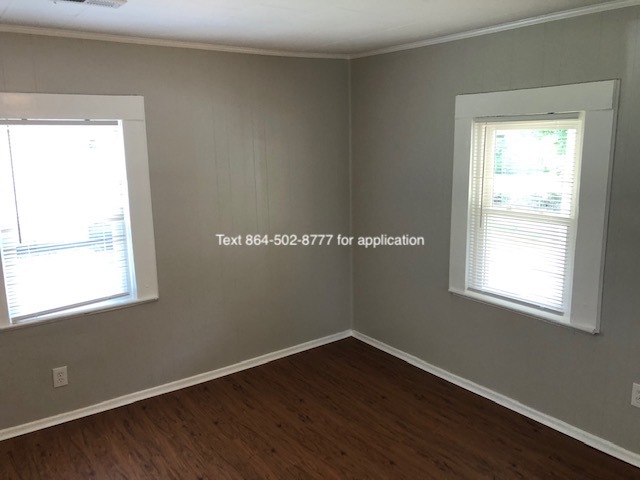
pixel 249 144
pixel 237 144
pixel 403 108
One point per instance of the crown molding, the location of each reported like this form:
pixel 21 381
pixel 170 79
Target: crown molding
pixel 551 17
pixel 157 42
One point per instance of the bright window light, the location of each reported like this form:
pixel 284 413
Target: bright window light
pixel 530 198
pixel 523 210
pixel 75 214
pixel 64 216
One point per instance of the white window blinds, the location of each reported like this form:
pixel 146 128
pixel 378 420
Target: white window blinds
pixel 522 212
pixel 65 233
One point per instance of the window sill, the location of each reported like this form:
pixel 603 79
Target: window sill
pixel 115 304
pixel 522 310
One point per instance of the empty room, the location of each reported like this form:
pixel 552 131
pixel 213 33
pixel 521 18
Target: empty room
pixel 291 239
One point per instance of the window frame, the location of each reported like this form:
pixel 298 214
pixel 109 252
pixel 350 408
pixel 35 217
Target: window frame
pixel 595 102
pixel 129 110
pixel 485 142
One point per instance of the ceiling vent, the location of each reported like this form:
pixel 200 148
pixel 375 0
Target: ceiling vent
pixel 100 3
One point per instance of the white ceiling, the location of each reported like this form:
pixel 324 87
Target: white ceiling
pixel 334 27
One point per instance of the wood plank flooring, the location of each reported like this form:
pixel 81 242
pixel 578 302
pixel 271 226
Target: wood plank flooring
pixel 342 411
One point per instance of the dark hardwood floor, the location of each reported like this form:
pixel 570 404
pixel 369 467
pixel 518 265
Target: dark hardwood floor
pixel 341 411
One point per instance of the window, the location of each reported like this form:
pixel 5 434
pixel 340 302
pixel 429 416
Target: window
pixel 529 207
pixel 76 234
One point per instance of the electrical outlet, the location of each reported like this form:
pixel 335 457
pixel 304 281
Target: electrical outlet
pixel 635 395
pixel 60 377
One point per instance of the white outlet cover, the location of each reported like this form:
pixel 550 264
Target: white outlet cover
pixel 635 395
pixel 60 378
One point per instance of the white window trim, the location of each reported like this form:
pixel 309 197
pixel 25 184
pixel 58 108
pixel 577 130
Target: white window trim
pixel 130 110
pixel 596 101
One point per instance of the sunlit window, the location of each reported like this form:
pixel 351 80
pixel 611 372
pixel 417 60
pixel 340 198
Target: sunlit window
pixel 523 209
pixel 64 215
pixel 529 200
pixel 75 214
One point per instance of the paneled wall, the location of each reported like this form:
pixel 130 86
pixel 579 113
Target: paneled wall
pixel 403 118
pixel 238 144
pixel 244 144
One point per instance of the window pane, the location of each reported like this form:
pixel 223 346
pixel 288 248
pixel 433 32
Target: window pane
pixel 522 220
pixel 65 237
pixel 523 259
pixel 533 169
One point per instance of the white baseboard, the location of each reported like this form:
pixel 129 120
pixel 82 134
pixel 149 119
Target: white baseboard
pixel 551 422
pixel 168 387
